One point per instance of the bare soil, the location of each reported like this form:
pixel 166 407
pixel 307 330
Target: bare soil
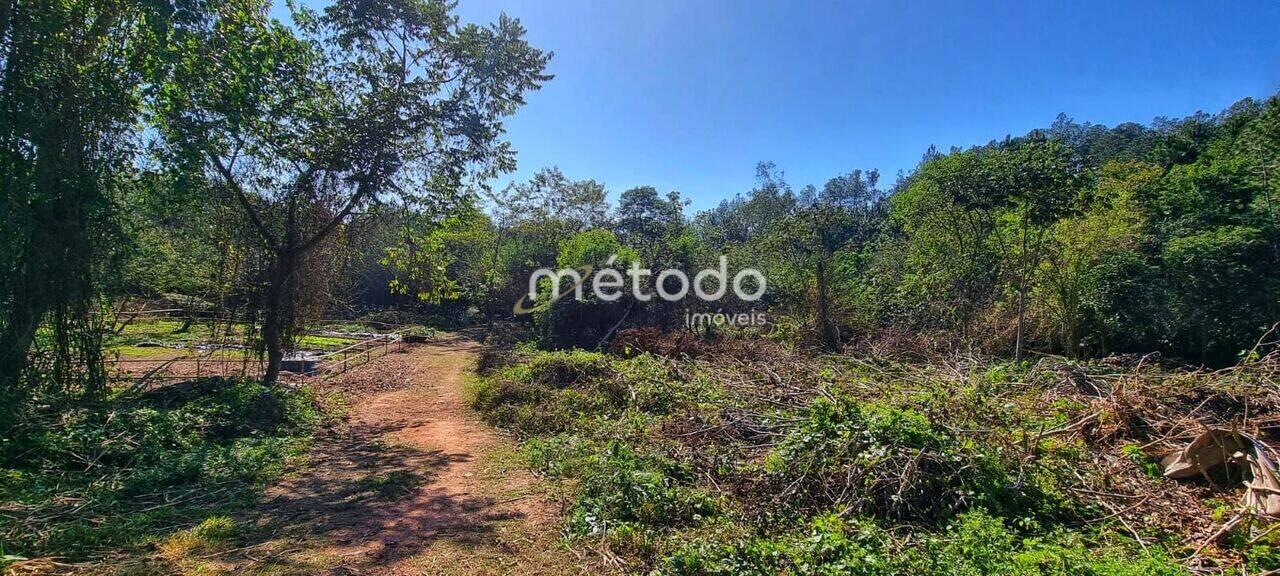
pixel 412 483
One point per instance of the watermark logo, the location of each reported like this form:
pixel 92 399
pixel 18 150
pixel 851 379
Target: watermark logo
pixel 719 318
pixel 608 284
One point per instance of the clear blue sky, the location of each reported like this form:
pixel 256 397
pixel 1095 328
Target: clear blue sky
pixel 690 95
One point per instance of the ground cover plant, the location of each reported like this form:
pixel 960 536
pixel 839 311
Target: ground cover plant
pixel 758 460
pixel 123 472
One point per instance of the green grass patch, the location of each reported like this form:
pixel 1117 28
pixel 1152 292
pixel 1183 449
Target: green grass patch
pixel 394 485
pixel 130 351
pixel 314 342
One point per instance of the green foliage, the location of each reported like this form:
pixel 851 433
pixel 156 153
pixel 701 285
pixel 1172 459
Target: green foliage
pixel 890 463
pixel 441 260
pixel 1080 295
pixel 315 120
pixel 1148 464
pixel 140 464
pixel 975 544
pixel 594 248
pixel 1224 289
pixel 710 466
pixel 586 322
pixel 394 485
pixel 619 487
pixel 73 76
pixel 215 528
pixel 559 455
pixel 828 547
pixel 546 393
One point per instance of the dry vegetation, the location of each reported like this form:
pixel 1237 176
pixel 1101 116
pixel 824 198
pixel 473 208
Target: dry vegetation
pixel 751 458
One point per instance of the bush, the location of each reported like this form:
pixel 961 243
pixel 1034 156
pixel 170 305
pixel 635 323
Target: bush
pixel 549 390
pixel 828 546
pixel 878 460
pixel 621 488
pixel 977 544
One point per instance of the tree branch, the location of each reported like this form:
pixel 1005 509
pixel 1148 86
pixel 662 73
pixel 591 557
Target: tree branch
pixel 244 201
pixel 363 191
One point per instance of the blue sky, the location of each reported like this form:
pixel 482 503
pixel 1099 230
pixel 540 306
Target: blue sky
pixel 690 95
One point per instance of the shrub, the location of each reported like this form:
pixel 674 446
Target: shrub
pixel 873 459
pixel 549 390
pixel 569 368
pixel 558 455
pixel 974 544
pixel 620 487
pixel 977 544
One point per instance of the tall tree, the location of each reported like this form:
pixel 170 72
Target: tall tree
pixel 307 125
pixel 846 214
pixel 71 78
pixel 1036 185
pixel 645 217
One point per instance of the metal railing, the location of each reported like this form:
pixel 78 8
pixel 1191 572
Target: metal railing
pixel 249 364
pixel 340 360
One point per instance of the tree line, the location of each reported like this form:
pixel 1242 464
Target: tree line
pixel 341 162
pixel 1076 239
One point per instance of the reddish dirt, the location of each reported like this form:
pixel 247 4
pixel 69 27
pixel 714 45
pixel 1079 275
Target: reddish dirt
pixel 413 483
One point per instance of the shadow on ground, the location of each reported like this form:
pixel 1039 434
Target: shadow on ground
pixel 366 503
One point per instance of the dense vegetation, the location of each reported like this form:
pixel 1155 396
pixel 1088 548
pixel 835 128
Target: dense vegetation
pixel 752 460
pixel 120 472
pixel 1077 239
pixel 969 370
pixel 209 158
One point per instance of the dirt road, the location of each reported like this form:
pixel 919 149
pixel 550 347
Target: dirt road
pixel 413 483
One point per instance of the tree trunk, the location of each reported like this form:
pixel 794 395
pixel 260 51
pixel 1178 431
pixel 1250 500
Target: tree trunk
pixel 16 340
pixel 1022 298
pixel 822 310
pixel 275 314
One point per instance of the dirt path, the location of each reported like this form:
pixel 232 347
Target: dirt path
pixel 414 483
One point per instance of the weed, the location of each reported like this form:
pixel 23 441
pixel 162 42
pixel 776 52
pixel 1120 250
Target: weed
pixel 123 471
pixel 884 461
pixel 1148 465
pixel 620 486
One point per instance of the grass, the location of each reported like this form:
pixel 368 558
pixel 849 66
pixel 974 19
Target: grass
pixel 131 351
pixel 173 341
pixel 169 332
pixel 314 342
pixel 130 470
pixel 394 485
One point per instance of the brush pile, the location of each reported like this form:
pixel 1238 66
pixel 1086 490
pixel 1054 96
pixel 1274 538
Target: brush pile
pixel 753 459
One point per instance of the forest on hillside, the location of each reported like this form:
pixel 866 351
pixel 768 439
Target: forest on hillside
pixel 978 366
